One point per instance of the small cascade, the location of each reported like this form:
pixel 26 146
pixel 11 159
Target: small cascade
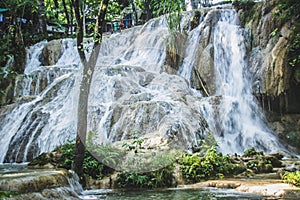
pixel 41 183
pixel 73 182
pixel 42 124
pixel 33 57
pixel 38 77
pixel 190 54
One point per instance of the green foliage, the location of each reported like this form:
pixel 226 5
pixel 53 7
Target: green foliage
pixel 288 10
pixel 113 11
pixel 107 154
pixel 292 178
pixel 252 152
pixel 155 179
pixel 243 4
pixel 8 51
pixel 173 9
pixel 212 165
pixel 294 50
pixel 91 166
pixel 14 37
pixel 259 163
pixel 275 33
pixel 135 145
pixel 7 194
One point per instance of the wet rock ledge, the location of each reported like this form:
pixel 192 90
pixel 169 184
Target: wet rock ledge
pixel 262 185
pixel 39 184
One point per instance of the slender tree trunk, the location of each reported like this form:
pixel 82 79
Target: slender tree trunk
pixel 67 15
pixel 42 18
pixel 148 9
pixel 88 70
pixel 56 8
pixel 72 14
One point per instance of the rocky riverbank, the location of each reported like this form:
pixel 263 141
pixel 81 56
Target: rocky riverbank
pixel 261 185
pixel 61 184
pixel 38 184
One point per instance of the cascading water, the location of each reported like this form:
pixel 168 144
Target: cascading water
pixel 131 94
pixel 47 120
pixel 237 120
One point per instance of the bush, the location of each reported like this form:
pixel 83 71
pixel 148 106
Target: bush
pixel 252 152
pixel 156 179
pixel 5 194
pixel 62 157
pixel 292 178
pixel 212 165
pixel 259 163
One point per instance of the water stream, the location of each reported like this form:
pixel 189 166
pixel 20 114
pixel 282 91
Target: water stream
pixel 171 194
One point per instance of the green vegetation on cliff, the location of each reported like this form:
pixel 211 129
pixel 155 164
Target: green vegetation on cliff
pixel 288 10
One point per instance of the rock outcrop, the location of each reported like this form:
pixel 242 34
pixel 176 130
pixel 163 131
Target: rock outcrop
pixel 275 82
pixel 51 53
pixel 269 37
pixel 40 184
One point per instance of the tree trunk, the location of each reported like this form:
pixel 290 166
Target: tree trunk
pixel 67 15
pixel 56 8
pixel 148 9
pixel 88 70
pixel 72 14
pixel 42 29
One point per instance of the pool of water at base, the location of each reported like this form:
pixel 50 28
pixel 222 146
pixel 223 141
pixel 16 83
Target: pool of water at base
pixel 171 194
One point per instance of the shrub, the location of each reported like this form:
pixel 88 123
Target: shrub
pixel 292 178
pixel 62 157
pixel 252 152
pixel 156 179
pixel 211 165
pixel 5 194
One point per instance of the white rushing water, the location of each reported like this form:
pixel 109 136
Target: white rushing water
pixel 237 120
pixel 131 93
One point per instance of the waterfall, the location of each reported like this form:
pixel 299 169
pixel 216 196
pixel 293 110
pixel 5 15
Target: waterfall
pixel 237 121
pixel 132 95
pixel 48 118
